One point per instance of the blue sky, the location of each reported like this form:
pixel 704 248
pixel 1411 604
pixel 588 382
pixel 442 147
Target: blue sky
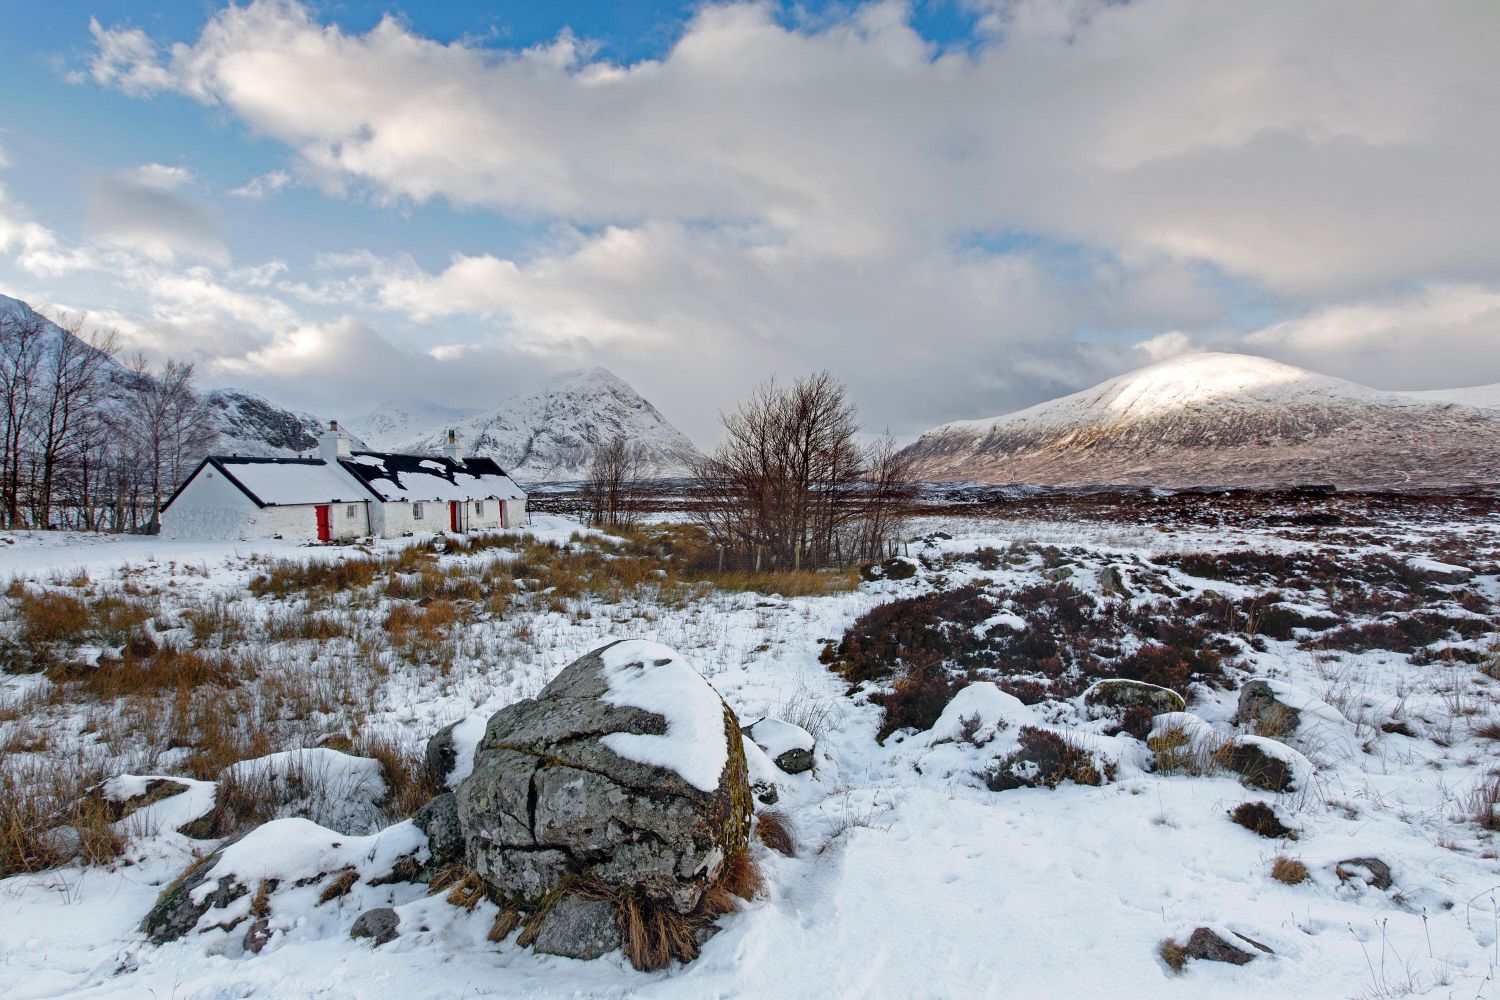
pixel 959 207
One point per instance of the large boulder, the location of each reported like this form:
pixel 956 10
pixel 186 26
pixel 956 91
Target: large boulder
pixel 625 774
pixel 1123 694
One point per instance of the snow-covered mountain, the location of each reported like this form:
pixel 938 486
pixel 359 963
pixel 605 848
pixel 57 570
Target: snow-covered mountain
pixel 550 433
pixel 1222 420
pixel 1484 396
pixel 248 424
pixel 395 421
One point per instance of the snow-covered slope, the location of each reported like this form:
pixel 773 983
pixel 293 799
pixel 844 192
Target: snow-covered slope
pixel 248 424
pixel 550 433
pixel 1484 396
pixel 394 421
pixel 1221 420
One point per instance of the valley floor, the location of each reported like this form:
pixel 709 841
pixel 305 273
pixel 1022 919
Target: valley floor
pixel 911 878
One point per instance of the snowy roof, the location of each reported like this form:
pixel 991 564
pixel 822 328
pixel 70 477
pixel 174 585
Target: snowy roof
pixel 281 481
pixel 364 475
pixel 423 477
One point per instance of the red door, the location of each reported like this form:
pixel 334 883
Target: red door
pixel 325 531
pixel 453 515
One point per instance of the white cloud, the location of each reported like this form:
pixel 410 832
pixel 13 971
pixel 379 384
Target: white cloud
pixel 160 176
pixel 1255 136
pixel 143 212
pixel 263 184
pixel 1438 336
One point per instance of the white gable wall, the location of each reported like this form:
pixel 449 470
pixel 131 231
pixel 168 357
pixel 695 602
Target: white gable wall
pixel 210 506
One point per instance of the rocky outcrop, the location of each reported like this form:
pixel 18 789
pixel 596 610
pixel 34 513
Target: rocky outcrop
pixel 625 775
pixel 1266 714
pixel 438 819
pixel 1265 763
pixel 1122 695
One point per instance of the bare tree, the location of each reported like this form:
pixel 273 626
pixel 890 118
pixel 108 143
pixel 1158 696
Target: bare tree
pixel 787 487
pixel 22 344
pixel 72 385
pixel 169 427
pixel 612 489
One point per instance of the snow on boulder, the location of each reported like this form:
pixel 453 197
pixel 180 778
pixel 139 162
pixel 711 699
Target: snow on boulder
pixel 330 788
pixel 791 747
pixel 625 776
pixel 1266 763
pixel 450 753
pixel 1275 708
pixel 762 772
pixel 150 804
pixel 288 877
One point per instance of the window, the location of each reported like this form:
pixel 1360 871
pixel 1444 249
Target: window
pixel 350 510
pixel 416 512
pixel 479 508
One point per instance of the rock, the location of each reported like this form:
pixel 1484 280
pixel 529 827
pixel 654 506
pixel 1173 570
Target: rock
pixel 378 924
pixel 63 842
pixel 1263 712
pixel 1374 872
pixel 1207 946
pixel 1112 582
pixel 1057 574
pixel 441 756
pixel 764 775
pixel 579 928
pixel 1126 694
pixel 176 912
pixel 1264 763
pixel 438 819
pixel 584 781
pixel 790 747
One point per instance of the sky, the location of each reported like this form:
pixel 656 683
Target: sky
pixel 958 207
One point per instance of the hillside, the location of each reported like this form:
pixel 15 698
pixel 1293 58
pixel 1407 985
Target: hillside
pixel 394 421
pixel 1221 420
pixel 549 433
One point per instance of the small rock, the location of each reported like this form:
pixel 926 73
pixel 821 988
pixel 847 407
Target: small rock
pixel 1263 712
pixel 898 568
pixel 379 925
pixel 1112 582
pixel 63 841
pixel 1057 574
pixel 579 928
pixel 1207 945
pixel 441 755
pixel 1124 694
pixel 1374 872
pixel 790 747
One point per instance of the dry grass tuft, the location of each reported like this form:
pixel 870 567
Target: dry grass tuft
pixel 1287 870
pixel 1482 805
pixel 38 806
pixel 407 786
pixel 339 886
pixel 653 932
pixel 465 888
pixel 506 921
pixel 775 831
pixel 1174 954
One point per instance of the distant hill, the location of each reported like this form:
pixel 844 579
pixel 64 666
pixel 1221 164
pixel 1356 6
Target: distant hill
pixel 1223 420
pixel 550 433
pixel 394 422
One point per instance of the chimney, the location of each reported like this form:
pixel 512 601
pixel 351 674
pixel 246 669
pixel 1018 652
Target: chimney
pixel 333 444
pixel 451 450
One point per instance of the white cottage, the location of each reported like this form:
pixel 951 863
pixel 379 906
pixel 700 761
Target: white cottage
pixel 343 494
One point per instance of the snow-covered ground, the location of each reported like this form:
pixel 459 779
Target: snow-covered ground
pixel 912 878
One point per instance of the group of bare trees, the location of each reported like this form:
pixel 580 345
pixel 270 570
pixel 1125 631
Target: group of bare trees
pixel 84 441
pixel 616 475
pixel 791 487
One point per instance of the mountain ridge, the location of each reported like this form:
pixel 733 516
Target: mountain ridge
pixel 1221 420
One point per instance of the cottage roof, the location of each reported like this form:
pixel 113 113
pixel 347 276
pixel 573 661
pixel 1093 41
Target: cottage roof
pixel 364 475
pixel 423 477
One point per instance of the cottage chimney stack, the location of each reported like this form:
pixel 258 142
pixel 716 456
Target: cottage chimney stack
pixel 333 444
pixel 451 449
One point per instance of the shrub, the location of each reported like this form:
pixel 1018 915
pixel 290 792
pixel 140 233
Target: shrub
pixel 918 698
pixel 1260 818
